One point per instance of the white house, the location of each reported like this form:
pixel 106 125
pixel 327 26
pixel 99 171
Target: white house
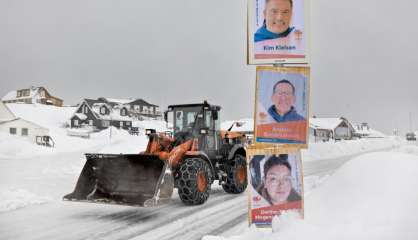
pixel 324 129
pixel 12 125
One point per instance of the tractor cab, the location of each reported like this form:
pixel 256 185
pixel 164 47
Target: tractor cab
pixel 196 118
pixel 199 121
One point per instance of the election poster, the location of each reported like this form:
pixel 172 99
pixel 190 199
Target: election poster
pixel 278 31
pixel 282 105
pixel 276 185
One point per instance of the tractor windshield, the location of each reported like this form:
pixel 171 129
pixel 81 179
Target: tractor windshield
pixel 185 117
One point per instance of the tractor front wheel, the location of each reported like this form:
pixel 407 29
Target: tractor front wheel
pixel 193 181
pixel 236 181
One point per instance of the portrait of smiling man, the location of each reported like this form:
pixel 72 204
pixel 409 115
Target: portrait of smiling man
pixel 283 99
pixel 277 19
pixel 282 104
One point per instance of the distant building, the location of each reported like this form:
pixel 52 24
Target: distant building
pixel 363 130
pixel 32 95
pixel 33 132
pixel 324 129
pixel 100 114
pixel 137 108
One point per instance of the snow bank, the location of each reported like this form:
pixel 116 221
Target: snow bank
pixel 12 199
pixel 44 115
pixel 326 150
pixel 15 146
pixel 370 197
pixel 120 142
pixel 158 125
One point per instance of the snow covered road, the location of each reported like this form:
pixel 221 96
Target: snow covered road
pixel 73 220
pixel 34 185
pixel 223 214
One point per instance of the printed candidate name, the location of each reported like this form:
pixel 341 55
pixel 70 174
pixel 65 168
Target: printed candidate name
pixel 279 47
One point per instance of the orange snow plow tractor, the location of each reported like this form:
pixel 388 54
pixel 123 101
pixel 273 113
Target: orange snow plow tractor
pixel 190 159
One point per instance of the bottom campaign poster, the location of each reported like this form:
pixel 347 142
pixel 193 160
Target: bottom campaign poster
pixel 276 185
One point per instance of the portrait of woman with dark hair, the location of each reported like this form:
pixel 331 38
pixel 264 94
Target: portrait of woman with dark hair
pixel 276 186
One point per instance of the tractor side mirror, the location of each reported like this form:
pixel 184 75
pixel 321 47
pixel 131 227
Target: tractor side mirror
pixel 215 115
pixel 165 115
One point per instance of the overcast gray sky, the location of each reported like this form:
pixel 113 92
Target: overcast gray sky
pixel 364 54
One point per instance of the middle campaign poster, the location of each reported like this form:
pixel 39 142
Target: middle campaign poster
pixel 282 105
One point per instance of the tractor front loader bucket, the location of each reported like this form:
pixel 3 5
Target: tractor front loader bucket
pixel 127 179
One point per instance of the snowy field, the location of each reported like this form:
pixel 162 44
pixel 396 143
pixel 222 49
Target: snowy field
pixel 362 189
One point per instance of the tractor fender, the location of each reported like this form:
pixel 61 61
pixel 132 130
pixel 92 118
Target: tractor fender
pixel 203 156
pixel 237 149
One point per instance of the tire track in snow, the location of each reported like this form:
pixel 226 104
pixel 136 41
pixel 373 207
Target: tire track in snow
pixel 132 227
pixel 196 225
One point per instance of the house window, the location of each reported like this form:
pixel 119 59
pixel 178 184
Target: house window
pixel 123 112
pixel 105 123
pixel 136 107
pixel 19 94
pixel 26 92
pixel 85 110
pixel 12 131
pixel 25 131
pixel 75 122
pixel 128 123
pixel 103 110
pixel 91 122
pixel 121 124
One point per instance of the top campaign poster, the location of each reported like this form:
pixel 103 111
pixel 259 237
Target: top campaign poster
pixel 278 31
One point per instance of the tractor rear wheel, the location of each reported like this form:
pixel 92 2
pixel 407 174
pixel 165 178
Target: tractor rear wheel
pixel 193 181
pixel 236 181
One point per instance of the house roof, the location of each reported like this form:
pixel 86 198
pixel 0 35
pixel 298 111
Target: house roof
pixel 120 101
pixel 95 105
pixel 5 113
pixel 33 92
pixel 131 101
pixel 143 102
pixel 325 123
pixel 114 114
pixel 81 116
pixel 91 102
pixel 27 121
pixel 9 96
